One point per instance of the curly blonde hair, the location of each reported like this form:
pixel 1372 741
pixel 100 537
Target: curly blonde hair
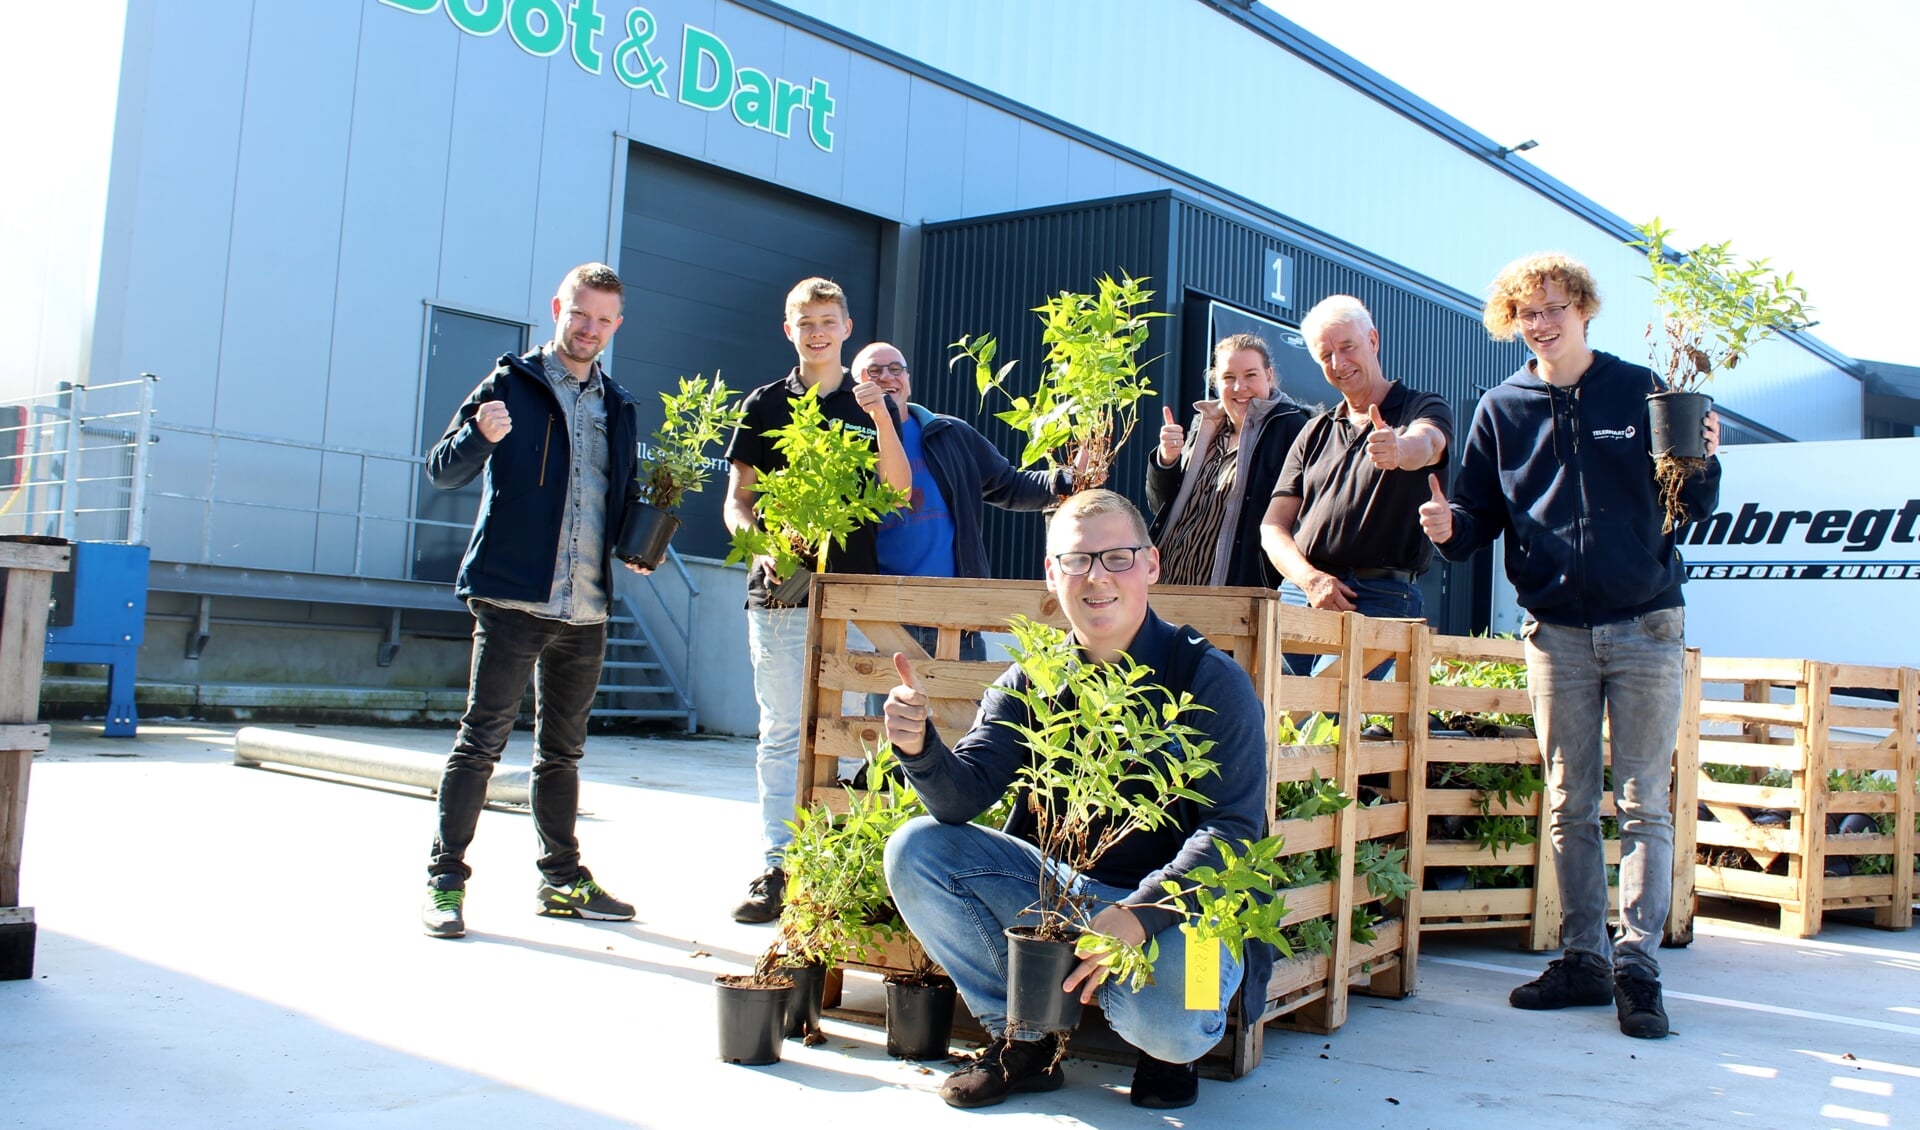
pixel 1519 279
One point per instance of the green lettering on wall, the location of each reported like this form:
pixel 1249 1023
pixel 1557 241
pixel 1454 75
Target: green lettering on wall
pixel 552 33
pixel 584 19
pixel 485 19
pixel 633 61
pixel 753 99
pixel 791 98
pixel 697 46
pixel 819 109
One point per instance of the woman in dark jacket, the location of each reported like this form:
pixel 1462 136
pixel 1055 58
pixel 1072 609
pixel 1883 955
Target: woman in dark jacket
pixel 1199 478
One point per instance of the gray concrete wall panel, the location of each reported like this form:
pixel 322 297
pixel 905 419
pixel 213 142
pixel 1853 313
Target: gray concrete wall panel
pixel 936 164
pixel 799 161
pixel 493 179
pixel 752 40
pixel 992 146
pixel 179 208
pixel 389 236
pixel 289 185
pixel 875 155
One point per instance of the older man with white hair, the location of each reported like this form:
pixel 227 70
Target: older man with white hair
pixel 1337 527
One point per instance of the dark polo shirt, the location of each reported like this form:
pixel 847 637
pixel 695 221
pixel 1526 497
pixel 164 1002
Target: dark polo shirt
pixel 770 408
pixel 1353 515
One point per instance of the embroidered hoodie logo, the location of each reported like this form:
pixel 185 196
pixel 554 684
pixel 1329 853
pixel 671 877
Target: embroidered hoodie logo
pixel 1614 433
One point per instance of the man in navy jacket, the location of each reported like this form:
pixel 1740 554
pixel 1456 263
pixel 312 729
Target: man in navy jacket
pixel 556 442
pixel 1559 462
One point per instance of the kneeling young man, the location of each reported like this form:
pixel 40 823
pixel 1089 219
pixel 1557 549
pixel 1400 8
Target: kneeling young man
pixel 958 885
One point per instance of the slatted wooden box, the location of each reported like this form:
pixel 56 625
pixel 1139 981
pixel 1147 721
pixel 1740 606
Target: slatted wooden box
pixel 1787 718
pixel 1532 908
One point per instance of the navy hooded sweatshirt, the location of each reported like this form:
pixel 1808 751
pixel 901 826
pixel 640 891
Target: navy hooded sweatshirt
pixel 1567 475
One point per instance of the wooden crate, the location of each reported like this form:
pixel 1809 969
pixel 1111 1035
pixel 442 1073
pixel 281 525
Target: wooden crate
pixel 26 581
pixel 1533 909
pixel 1311 992
pixel 1248 624
pixel 1785 718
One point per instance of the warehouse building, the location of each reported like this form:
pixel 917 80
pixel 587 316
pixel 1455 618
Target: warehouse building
pixel 317 224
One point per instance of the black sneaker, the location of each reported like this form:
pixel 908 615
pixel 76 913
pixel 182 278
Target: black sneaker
pixel 764 897
pixel 441 914
pixel 1576 979
pixel 1159 1085
pixel 1636 997
pixel 584 898
pixel 1006 1067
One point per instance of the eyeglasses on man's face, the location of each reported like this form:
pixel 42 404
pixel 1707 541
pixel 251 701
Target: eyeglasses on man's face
pixel 1116 560
pixel 895 369
pixel 1552 313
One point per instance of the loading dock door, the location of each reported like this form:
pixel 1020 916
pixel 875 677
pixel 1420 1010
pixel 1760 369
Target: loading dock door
pixel 707 257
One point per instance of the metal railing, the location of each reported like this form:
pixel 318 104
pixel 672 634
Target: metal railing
pixel 76 463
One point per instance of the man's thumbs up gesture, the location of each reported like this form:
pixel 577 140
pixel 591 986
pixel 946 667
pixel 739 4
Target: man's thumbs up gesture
pixel 1383 443
pixel 1436 517
pixel 906 711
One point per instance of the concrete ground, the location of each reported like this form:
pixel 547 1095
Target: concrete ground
pixel 222 946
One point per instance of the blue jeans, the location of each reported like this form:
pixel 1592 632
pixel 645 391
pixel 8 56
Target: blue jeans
pixel 563 660
pixel 960 885
pixel 777 644
pixel 1631 673
pixel 1374 597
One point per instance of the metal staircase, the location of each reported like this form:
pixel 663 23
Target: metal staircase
pixel 638 680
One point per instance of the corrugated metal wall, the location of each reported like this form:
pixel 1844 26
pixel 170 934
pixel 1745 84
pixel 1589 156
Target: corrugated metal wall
pixel 982 276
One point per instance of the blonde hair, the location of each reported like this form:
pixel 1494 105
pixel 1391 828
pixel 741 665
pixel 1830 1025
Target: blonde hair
pixel 1092 504
pixel 593 276
pixel 1519 279
pixel 808 291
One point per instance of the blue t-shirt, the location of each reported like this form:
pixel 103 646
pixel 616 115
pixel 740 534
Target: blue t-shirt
pixel 917 541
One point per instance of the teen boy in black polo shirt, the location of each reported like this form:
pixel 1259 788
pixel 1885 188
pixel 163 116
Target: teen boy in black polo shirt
pixel 818 326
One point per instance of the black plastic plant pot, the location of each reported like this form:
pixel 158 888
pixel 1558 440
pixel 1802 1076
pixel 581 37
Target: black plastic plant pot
pixel 1036 967
pixel 752 1017
pixel 919 1018
pixel 644 535
pixel 1677 420
pixel 792 592
pixel 803 1004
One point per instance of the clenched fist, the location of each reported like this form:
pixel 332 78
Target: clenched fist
pixel 492 420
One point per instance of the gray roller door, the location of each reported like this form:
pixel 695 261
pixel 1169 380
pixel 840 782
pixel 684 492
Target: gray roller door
pixel 707 258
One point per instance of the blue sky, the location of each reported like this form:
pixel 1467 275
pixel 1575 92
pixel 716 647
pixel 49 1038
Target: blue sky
pixel 1788 128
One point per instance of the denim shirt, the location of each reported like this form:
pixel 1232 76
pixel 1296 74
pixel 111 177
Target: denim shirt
pixel 579 569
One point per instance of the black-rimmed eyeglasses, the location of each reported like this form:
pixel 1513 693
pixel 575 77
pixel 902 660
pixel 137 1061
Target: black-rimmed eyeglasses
pixel 1116 560
pixel 876 371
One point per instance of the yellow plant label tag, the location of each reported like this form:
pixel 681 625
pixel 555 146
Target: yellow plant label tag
pixel 1203 973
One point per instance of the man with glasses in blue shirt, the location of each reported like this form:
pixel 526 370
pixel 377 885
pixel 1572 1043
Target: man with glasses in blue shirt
pixel 958 885
pixel 955 471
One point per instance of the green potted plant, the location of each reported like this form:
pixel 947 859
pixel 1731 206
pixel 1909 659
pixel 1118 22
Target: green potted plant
pixel 829 488
pixel 1087 402
pixel 1109 755
pixel 1714 308
pixel 673 463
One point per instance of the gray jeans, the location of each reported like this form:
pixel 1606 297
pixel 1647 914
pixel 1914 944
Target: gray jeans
pixel 1631 673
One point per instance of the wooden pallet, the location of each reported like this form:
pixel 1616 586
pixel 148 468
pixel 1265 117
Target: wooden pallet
pixel 1533 910
pixel 1786 718
pixel 27 567
pixel 1253 627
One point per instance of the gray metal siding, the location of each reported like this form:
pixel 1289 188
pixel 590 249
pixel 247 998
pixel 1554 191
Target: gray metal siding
pixel 984 276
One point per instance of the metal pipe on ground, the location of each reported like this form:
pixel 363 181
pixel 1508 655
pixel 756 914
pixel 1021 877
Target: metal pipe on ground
pixel 255 745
